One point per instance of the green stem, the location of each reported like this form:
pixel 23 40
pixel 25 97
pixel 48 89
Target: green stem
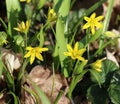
pixel 106 23
pixel 25 40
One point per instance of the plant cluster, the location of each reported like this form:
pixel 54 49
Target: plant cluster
pixel 41 29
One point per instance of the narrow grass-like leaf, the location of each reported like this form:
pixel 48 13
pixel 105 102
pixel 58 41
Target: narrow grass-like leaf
pixel 41 95
pixel 40 37
pixel 14 97
pixel 1 64
pixel 32 93
pixel 106 23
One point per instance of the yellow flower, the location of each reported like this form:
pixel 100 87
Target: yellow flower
pixel 75 53
pixel 34 52
pixel 23 27
pixel 4 42
pixel 28 1
pixel 93 22
pixel 51 15
pixel 97 65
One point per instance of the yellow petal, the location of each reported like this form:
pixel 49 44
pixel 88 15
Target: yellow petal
pixel 28 1
pixel 23 25
pixel 93 30
pixel 99 18
pixel 81 51
pixel 99 70
pixel 69 48
pixel 27 55
pixel 97 24
pixel 39 56
pixel 76 46
pixel 32 58
pixel 86 25
pixel 44 49
pixel 22 0
pixel 27 24
pixel 80 58
pixel 17 29
pixel 93 16
pixel 67 53
pixel 86 18
pixel 29 48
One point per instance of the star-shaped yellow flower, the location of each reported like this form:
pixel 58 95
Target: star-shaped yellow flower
pixel 34 52
pixel 28 1
pixel 75 53
pixel 97 65
pixel 51 15
pixel 4 42
pixel 23 27
pixel 93 22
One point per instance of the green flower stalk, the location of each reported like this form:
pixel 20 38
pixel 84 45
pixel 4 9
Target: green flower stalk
pixel 93 22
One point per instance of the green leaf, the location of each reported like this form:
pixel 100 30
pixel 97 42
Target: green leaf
pixel 108 68
pixel 32 93
pixel 13 9
pixel 60 30
pixel 41 95
pixel 97 95
pixel 16 101
pixel 40 37
pixel 3 36
pixel 41 4
pixel 95 76
pixel 9 79
pixel 19 40
pixel 1 65
pixel 114 88
pixel 114 93
pixel 61 44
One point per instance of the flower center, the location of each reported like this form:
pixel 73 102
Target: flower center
pixel 75 54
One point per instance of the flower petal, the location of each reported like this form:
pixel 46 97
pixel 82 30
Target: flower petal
pixel 80 58
pixel 17 29
pixel 67 54
pixel 81 51
pixel 98 25
pixel 29 48
pixel 23 25
pixel 92 29
pixel 27 55
pixel 93 16
pixel 32 58
pixel 76 46
pixel 86 25
pixel 99 18
pixel 44 49
pixel 39 56
pixel 69 48
pixel 86 18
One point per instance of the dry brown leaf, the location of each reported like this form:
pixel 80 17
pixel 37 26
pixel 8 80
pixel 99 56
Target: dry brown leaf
pixel 111 57
pixel 44 79
pixel 11 61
